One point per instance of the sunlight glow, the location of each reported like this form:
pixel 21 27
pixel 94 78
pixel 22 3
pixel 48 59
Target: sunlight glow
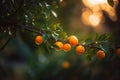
pixel 61 0
pixel 91 3
pixel 85 14
pixel 96 2
pixel 92 14
pixel 94 20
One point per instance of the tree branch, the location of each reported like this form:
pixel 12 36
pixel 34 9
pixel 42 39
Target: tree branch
pixel 10 37
pixel 92 46
pixel 3 46
pixel 32 29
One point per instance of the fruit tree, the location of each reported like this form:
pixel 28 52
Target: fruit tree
pixel 37 32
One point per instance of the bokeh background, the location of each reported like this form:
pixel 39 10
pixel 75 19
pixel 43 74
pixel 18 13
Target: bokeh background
pixel 22 59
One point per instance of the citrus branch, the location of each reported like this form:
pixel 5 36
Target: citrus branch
pixel 92 46
pixel 31 29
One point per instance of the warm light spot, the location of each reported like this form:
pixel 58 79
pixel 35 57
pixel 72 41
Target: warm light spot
pixel 96 2
pixel 93 13
pixel 92 3
pixel 94 20
pixel 61 0
pixel 85 14
pixel 110 11
pixel 91 19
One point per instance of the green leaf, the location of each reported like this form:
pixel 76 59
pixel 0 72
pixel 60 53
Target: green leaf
pixel 88 41
pixel 54 27
pixel 102 37
pixel 88 57
pixel 104 46
pixel 55 37
pixel 96 36
pixel 46 37
pixel 110 2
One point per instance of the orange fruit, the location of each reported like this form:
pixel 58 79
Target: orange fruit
pixel 80 49
pixel 73 40
pixel 38 39
pixel 100 54
pixel 67 47
pixel 66 65
pixel 59 44
pixel 118 51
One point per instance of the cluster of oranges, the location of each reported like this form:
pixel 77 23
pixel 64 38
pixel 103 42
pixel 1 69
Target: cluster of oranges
pixel 80 49
pixel 73 41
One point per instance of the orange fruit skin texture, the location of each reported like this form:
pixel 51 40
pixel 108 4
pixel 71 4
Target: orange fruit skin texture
pixel 67 47
pixel 65 65
pixel 118 51
pixel 38 40
pixel 59 44
pixel 73 40
pixel 80 49
pixel 100 54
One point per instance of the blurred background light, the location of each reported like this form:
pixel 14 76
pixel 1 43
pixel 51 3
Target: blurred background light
pixel 93 14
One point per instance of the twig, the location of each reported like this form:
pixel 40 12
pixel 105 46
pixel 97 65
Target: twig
pixel 91 46
pixel 3 46
pixel 10 37
pixel 32 29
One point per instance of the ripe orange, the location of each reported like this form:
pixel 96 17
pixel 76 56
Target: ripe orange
pixel 80 49
pixel 66 65
pixel 73 40
pixel 38 39
pixel 67 47
pixel 100 54
pixel 59 44
pixel 118 51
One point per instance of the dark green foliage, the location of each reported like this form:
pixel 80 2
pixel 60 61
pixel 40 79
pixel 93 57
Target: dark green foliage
pixel 110 2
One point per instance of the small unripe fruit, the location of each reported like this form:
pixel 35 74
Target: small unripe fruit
pixel 80 49
pixel 73 40
pixel 100 54
pixel 67 47
pixel 66 65
pixel 38 39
